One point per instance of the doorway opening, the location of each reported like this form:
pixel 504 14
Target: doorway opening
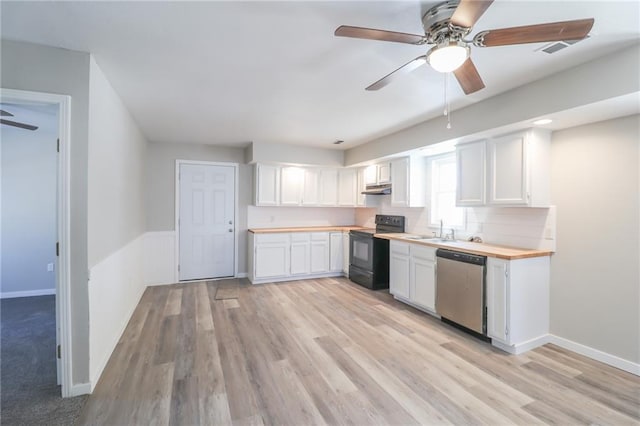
pixel 35 214
pixel 206 218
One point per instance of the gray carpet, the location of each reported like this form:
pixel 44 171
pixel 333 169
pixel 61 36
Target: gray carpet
pixel 28 391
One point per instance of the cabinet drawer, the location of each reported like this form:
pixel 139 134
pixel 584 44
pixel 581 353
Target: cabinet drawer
pixel 299 237
pixel 272 238
pixel 421 252
pixel 399 248
pixel 320 236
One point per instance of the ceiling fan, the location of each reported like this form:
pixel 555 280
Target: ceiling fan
pixel 4 113
pixel 447 24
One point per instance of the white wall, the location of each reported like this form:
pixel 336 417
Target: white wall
pixel 117 151
pixel 262 152
pixel 29 173
pixel 595 276
pixel 160 189
pixel 27 66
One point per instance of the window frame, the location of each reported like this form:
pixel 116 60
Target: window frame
pixel 432 162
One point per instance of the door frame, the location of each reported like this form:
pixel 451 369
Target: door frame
pixel 63 283
pixel 236 168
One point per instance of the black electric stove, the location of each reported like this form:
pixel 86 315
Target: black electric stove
pixel 369 256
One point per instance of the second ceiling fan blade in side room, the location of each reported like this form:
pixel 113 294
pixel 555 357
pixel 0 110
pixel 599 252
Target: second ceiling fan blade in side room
pixel 16 124
pixel 468 77
pixel 403 70
pixel 382 35
pixel 469 11
pixel 554 31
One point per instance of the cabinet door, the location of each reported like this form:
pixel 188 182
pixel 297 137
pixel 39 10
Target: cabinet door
pixel 384 173
pixel 347 187
pixel 328 187
pixel 320 252
pixel 497 299
pixel 423 283
pixel 508 170
pixel 267 185
pixel 400 182
pixel 335 251
pixel 471 174
pixel 371 175
pixel 310 187
pixel 345 253
pixel 360 197
pixel 272 260
pixel 300 258
pixel 291 183
pixel 399 269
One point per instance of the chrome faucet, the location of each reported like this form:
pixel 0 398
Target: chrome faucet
pixel 441 234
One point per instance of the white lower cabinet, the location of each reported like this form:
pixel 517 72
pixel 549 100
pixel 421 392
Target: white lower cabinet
pixel 345 253
pixel 295 255
pixel 300 253
pixel 320 255
pixel 412 274
pixel 517 296
pixel 272 256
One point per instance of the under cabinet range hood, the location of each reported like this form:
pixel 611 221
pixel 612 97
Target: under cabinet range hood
pixel 383 189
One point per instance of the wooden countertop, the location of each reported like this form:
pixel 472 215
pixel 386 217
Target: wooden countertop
pixel 482 249
pixel 306 229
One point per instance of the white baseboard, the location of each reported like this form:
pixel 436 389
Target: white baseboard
pixel 242 275
pixel 28 293
pixel 295 278
pixel 598 355
pixel 521 347
pixel 80 389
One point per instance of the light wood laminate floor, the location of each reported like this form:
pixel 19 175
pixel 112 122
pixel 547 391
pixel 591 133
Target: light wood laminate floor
pixel 330 352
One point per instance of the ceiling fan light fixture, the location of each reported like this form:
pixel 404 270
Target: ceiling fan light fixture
pixel 448 56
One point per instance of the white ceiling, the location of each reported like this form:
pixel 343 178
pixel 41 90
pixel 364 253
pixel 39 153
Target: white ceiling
pixel 230 73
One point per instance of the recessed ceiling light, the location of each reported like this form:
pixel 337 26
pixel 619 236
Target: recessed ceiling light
pixel 542 122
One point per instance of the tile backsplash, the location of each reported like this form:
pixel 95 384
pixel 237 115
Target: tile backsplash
pixel 284 217
pixel 511 226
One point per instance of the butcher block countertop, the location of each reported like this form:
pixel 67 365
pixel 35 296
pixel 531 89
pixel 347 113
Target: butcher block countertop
pixel 306 229
pixel 481 249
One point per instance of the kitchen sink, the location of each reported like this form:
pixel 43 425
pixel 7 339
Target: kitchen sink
pixel 416 237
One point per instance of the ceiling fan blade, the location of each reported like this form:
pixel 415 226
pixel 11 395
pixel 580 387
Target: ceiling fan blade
pixel 403 70
pixel 554 31
pixel 382 35
pixel 469 11
pixel 468 77
pixel 16 124
pixel 4 113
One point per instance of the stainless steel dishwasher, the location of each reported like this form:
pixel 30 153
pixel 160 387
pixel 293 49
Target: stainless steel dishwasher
pixel 460 289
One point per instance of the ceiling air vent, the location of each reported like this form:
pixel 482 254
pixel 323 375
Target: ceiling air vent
pixel 559 45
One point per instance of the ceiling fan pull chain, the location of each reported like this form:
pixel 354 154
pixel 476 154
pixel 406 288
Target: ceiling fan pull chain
pixel 447 104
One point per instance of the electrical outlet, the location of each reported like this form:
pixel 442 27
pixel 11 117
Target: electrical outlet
pixel 49 267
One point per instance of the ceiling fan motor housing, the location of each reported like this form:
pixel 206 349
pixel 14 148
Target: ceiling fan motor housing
pixel 437 24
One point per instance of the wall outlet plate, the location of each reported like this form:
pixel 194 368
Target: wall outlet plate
pixel 49 267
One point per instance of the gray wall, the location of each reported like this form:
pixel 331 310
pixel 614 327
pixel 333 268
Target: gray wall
pixel 27 66
pixel 262 152
pixel 595 290
pixel 29 173
pixel 160 185
pixel 117 151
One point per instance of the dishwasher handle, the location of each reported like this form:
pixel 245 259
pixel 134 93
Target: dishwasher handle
pixel 462 257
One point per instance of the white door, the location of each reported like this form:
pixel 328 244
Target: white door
pixel 206 221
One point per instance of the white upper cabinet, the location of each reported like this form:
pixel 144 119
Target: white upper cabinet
pixel 471 174
pixel 360 197
pixel 311 187
pixel 347 187
pixel 508 171
pixel 291 185
pixel 384 173
pixel 328 187
pixel 408 182
pixel 377 174
pixel 267 185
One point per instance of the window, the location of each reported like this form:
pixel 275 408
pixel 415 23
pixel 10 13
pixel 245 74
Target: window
pixel 443 193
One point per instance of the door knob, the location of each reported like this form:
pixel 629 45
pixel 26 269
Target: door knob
pixel 230 222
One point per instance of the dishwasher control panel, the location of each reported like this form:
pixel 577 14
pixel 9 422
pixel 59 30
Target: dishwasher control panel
pixel 462 257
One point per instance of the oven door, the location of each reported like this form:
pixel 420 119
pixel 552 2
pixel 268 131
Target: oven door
pixel 361 251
